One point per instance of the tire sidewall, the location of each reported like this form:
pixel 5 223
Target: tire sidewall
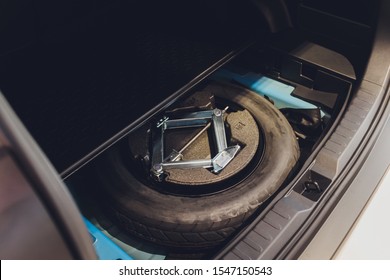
pixel 281 152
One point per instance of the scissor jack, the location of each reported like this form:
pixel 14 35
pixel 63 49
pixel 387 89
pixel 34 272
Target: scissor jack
pixel 215 118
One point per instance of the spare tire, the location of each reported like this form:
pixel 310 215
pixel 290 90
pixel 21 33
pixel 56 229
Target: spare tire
pixel 201 221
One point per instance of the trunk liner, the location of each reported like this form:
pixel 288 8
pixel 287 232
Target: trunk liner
pixel 89 89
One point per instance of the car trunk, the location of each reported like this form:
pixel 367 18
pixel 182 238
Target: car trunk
pixel 83 75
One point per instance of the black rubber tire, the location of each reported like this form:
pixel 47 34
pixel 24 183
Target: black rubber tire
pixel 206 221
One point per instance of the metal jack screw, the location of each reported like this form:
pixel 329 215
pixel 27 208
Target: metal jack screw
pixel 217 112
pixel 158 172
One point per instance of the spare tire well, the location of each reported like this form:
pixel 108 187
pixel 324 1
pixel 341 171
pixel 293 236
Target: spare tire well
pixel 201 221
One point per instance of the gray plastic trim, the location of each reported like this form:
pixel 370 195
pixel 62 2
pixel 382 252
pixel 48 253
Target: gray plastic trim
pixel 332 233
pixel 46 182
pixel 325 58
pixel 26 229
pixel 364 105
pixel 351 129
pixel 356 126
pixel 280 223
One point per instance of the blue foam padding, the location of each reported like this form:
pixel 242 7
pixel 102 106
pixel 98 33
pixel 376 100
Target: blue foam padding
pixel 279 92
pixel 105 248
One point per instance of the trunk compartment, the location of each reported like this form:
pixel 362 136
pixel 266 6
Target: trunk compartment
pixel 95 72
